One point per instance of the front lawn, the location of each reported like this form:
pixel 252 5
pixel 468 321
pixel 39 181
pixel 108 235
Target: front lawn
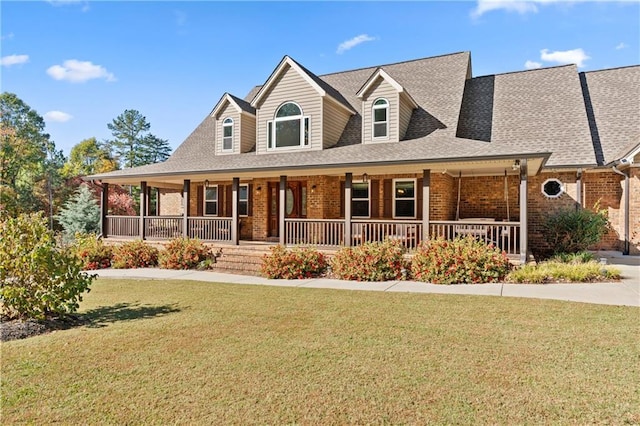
pixel 166 352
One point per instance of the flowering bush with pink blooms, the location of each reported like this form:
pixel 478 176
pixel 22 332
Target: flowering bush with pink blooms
pixel 374 261
pixel 295 263
pixel 460 261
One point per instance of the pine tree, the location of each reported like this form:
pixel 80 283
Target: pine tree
pixel 80 214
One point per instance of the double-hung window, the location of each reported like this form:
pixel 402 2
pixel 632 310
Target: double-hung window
pixel 289 128
pixel 243 200
pixel 360 197
pixel 211 200
pixel 404 198
pixel 380 113
pixel 227 134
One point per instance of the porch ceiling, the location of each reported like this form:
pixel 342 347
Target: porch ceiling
pixel 477 167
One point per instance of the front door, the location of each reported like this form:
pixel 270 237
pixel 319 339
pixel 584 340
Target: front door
pixel 295 206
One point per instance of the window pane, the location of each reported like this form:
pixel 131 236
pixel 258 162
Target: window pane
pixel 211 194
pixel 360 190
pixel 380 115
pixel 405 190
pixel 306 131
pixel 360 208
pixel 379 130
pixel 270 134
pixel 243 208
pixel 243 192
pixel 288 133
pixel 405 208
pixel 288 110
pixel 211 208
pixel 380 102
pixel 227 143
pixel 303 201
pixel 227 131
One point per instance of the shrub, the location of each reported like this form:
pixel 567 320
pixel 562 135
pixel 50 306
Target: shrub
pixel 295 263
pixel 571 231
pixel 183 253
pixel 373 261
pixel 553 271
pixel 463 260
pixel 579 257
pixel 37 278
pixel 80 214
pixel 134 254
pixel 92 251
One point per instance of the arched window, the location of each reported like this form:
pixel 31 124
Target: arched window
pixel 227 134
pixel 289 128
pixel 380 114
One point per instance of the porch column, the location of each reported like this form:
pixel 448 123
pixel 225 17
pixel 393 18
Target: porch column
pixel 578 189
pixel 282 208
pixel 348 183
pixel 235 187
pixel 104 210
pixel 143 206
pixel 426 193
pixel 186 193
pixel 524 229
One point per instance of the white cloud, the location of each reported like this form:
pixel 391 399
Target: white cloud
pixel 351 43
pixel 520 7
pixel 575 56
pixel 7 37
pixel 57 116
pixel 621 46
pixel 84 3
pixel 531 65
pixel 79 71
pixel 7 61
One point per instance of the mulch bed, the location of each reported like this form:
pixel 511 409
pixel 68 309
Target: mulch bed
pixel 19 329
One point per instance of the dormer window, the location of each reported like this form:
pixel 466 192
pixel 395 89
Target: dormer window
pixel 227 134
pixel 289 128
pixel 380 113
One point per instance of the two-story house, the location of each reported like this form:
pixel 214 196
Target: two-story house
pixel 407 151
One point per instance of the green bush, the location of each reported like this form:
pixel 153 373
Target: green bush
pixel 372 261
pixel 295 263
pixel 183 253
pixel 463 260
pixel 134 254
pixel 579 257
pixel 552 271
pixel 572 231
pixel 37 278
pixel 95 254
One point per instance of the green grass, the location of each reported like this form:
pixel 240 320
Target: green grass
pixel 165 352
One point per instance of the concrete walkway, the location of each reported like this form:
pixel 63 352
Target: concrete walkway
pixel 624 293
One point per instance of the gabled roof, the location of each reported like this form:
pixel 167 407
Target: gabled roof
pixel 612 100
pixel 537 108
pixel 320 86
pixel 239 104
pixel 381 73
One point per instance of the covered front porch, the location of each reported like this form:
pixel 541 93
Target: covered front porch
pixel 406 203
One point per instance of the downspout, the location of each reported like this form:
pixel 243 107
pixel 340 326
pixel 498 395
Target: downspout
pixel 625 250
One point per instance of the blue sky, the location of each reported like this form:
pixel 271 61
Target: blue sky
pixel 80 64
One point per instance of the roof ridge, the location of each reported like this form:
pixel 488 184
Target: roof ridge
pixel 611 69
pixel 520 71
pixel 394 63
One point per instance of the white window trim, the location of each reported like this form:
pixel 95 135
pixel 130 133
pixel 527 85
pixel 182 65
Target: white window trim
pixel 563 188
pixel 205 201
pixel 415 198
pixel 302 118
pixel 368 199
pixel 246 185
pixel 225 124
pixel 374 107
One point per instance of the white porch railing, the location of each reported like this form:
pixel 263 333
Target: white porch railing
pixel 209 228
pixel 163 227
pixel 123 226
pixel 407 232
pixel 316 232
pixel 504 235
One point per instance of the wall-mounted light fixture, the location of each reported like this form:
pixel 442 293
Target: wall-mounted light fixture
pixel 258 189
pixel 206 183
pixel 365 178
pixel 516 165
pixel 313 189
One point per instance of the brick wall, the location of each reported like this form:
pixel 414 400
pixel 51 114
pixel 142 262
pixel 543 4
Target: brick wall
pixel 170 202
pixel 634 211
